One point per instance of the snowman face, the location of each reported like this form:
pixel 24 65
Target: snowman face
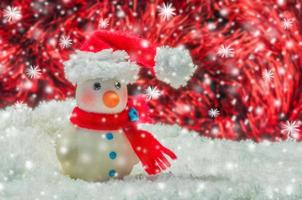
pixel 102 96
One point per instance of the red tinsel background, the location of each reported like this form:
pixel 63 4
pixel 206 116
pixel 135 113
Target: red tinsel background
pixel 264 35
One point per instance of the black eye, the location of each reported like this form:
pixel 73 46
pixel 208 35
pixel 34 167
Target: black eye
pixel 97 86
pixel 117 85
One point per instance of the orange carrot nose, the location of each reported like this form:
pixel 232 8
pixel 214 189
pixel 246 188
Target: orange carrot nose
pixel 111 99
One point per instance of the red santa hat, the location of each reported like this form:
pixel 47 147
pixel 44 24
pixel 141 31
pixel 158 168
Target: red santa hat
pixel 117 55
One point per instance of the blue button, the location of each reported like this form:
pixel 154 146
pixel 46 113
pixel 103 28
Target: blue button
pixel 109 136
pixel 112 155
pixel 133 115
pixel 112 173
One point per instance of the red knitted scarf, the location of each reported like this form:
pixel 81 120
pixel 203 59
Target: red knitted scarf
pixel 150 152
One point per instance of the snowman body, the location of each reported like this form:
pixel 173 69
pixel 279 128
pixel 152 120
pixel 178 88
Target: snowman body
pixel 97 155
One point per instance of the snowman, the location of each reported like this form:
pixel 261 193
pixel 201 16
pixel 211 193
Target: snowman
pixel 103 140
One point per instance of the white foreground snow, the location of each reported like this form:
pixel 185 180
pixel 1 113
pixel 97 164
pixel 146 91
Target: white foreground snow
pixel 205 169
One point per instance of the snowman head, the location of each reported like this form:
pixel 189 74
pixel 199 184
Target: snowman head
pixel 102 96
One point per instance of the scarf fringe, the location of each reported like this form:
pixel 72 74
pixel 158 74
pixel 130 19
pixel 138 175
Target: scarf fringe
pixel 149 150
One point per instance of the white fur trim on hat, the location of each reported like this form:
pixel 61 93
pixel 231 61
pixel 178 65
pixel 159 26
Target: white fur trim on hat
pixel 174 66
pixel 105 64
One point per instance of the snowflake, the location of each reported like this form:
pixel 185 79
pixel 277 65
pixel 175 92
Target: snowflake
pixel 225 51
pixel 103 23
pixel 287 23
pixel 291 128
pixel 267 75
pixel 166 11
pixel 12 14
pixel 29 165
pixel 213 112
pixel 152 93
pixel 33 72
pixel 65 42
pixel 19 104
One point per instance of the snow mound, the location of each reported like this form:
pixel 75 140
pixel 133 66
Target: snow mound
pixel 205 169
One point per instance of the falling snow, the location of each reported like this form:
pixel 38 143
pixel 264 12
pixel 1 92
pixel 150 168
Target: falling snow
pixel 225 51
pixel 205 169
pixel 291 128
pixel 33 72
pixel 12 14
pixel 267 75
pixel 287 23
pixel 152 93
pixel 213 112
pixel 65 42
pixel 166 11
pixel 103 23
pixel 19 104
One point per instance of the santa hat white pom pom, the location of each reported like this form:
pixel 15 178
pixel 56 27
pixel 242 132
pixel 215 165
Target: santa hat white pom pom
pixel 174 66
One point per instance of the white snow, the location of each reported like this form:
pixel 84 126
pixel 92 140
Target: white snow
pixel 205 169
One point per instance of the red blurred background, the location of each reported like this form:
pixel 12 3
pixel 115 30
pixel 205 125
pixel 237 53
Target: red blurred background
pixel 249 57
